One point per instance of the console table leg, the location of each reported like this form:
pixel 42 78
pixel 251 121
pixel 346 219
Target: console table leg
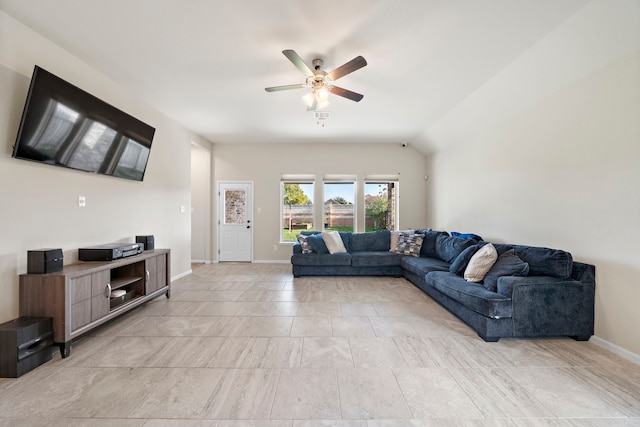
pixel 65 349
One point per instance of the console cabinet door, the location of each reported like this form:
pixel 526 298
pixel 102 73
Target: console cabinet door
pixel 80 290
pixel 100 294
pixel 156 273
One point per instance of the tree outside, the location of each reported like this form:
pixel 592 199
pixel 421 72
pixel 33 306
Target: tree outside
pixel 376 207
pixel 294 196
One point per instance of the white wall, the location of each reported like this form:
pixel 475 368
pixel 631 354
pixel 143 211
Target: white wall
pixel 40 202
pixel 201 183
pixel 264 164
pixel 554 161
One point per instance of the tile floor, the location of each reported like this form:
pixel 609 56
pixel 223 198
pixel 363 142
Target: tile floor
pixel 247 345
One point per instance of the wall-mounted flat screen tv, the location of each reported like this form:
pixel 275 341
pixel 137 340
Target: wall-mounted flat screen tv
pixel 65 126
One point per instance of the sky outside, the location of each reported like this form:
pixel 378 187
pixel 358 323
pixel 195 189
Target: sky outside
pixel 344 190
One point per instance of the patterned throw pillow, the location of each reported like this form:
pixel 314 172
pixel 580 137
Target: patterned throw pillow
pixel 409 244
pixel 394 238
pixel 306 247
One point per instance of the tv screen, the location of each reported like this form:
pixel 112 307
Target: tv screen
pixel 65 126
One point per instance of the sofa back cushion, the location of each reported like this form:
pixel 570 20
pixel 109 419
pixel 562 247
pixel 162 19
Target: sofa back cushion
pixel 428 249
pixel 346 239
pixel 542 261
pixel 448 248
pixel 371 241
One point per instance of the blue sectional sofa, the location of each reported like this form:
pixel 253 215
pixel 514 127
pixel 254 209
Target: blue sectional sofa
pixel 552 295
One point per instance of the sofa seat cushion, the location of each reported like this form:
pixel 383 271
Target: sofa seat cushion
pixel 422 266
pixel 321 259
pixel 375 259
pixel 471 295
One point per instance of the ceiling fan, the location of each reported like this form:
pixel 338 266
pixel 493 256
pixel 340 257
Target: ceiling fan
pixel 320 81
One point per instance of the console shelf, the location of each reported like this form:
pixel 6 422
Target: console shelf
pixel 119 283
pixel 79 298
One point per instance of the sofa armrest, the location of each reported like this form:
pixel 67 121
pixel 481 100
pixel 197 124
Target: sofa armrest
pixel 508 284
pixel 585 273
pixel 547 306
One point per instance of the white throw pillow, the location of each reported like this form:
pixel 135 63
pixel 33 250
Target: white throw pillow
pixel 394 238
pixel 480 263
pixel 334 242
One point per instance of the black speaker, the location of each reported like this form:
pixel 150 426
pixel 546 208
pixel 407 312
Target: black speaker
pixel 42 261
pixel 25 344
pixel 147 241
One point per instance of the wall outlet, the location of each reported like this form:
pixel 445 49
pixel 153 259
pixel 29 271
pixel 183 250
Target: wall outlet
pixel 182 209
pixel 82 201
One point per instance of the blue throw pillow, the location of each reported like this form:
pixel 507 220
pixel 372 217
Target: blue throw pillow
pixel 460 263
pixel 468 236
pixel 317 244
pixel 507 264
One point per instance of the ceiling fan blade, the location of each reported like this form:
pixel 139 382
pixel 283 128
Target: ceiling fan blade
pixel 346 93
pixel 298 62
pixel 285 87
pixel 349 67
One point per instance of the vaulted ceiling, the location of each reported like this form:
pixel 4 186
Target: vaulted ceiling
pixel 206 63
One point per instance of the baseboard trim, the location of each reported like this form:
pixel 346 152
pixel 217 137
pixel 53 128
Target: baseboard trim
pixel 273 261
pixel 181 275
pixel 620 351
pixel 203 261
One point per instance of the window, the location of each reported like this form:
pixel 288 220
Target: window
pixel 339 205
pixel 344 198
pixel 297 208
pixel 380 205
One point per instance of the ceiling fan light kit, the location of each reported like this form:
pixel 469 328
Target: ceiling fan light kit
pixel 321 82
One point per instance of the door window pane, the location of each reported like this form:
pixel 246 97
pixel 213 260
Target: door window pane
pixel 234 207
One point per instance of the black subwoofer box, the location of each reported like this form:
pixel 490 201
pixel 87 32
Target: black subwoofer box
pixel 42 261
pixel 147 241
pixel 25 344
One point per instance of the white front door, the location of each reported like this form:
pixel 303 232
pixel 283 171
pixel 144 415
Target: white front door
pixel 235 224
